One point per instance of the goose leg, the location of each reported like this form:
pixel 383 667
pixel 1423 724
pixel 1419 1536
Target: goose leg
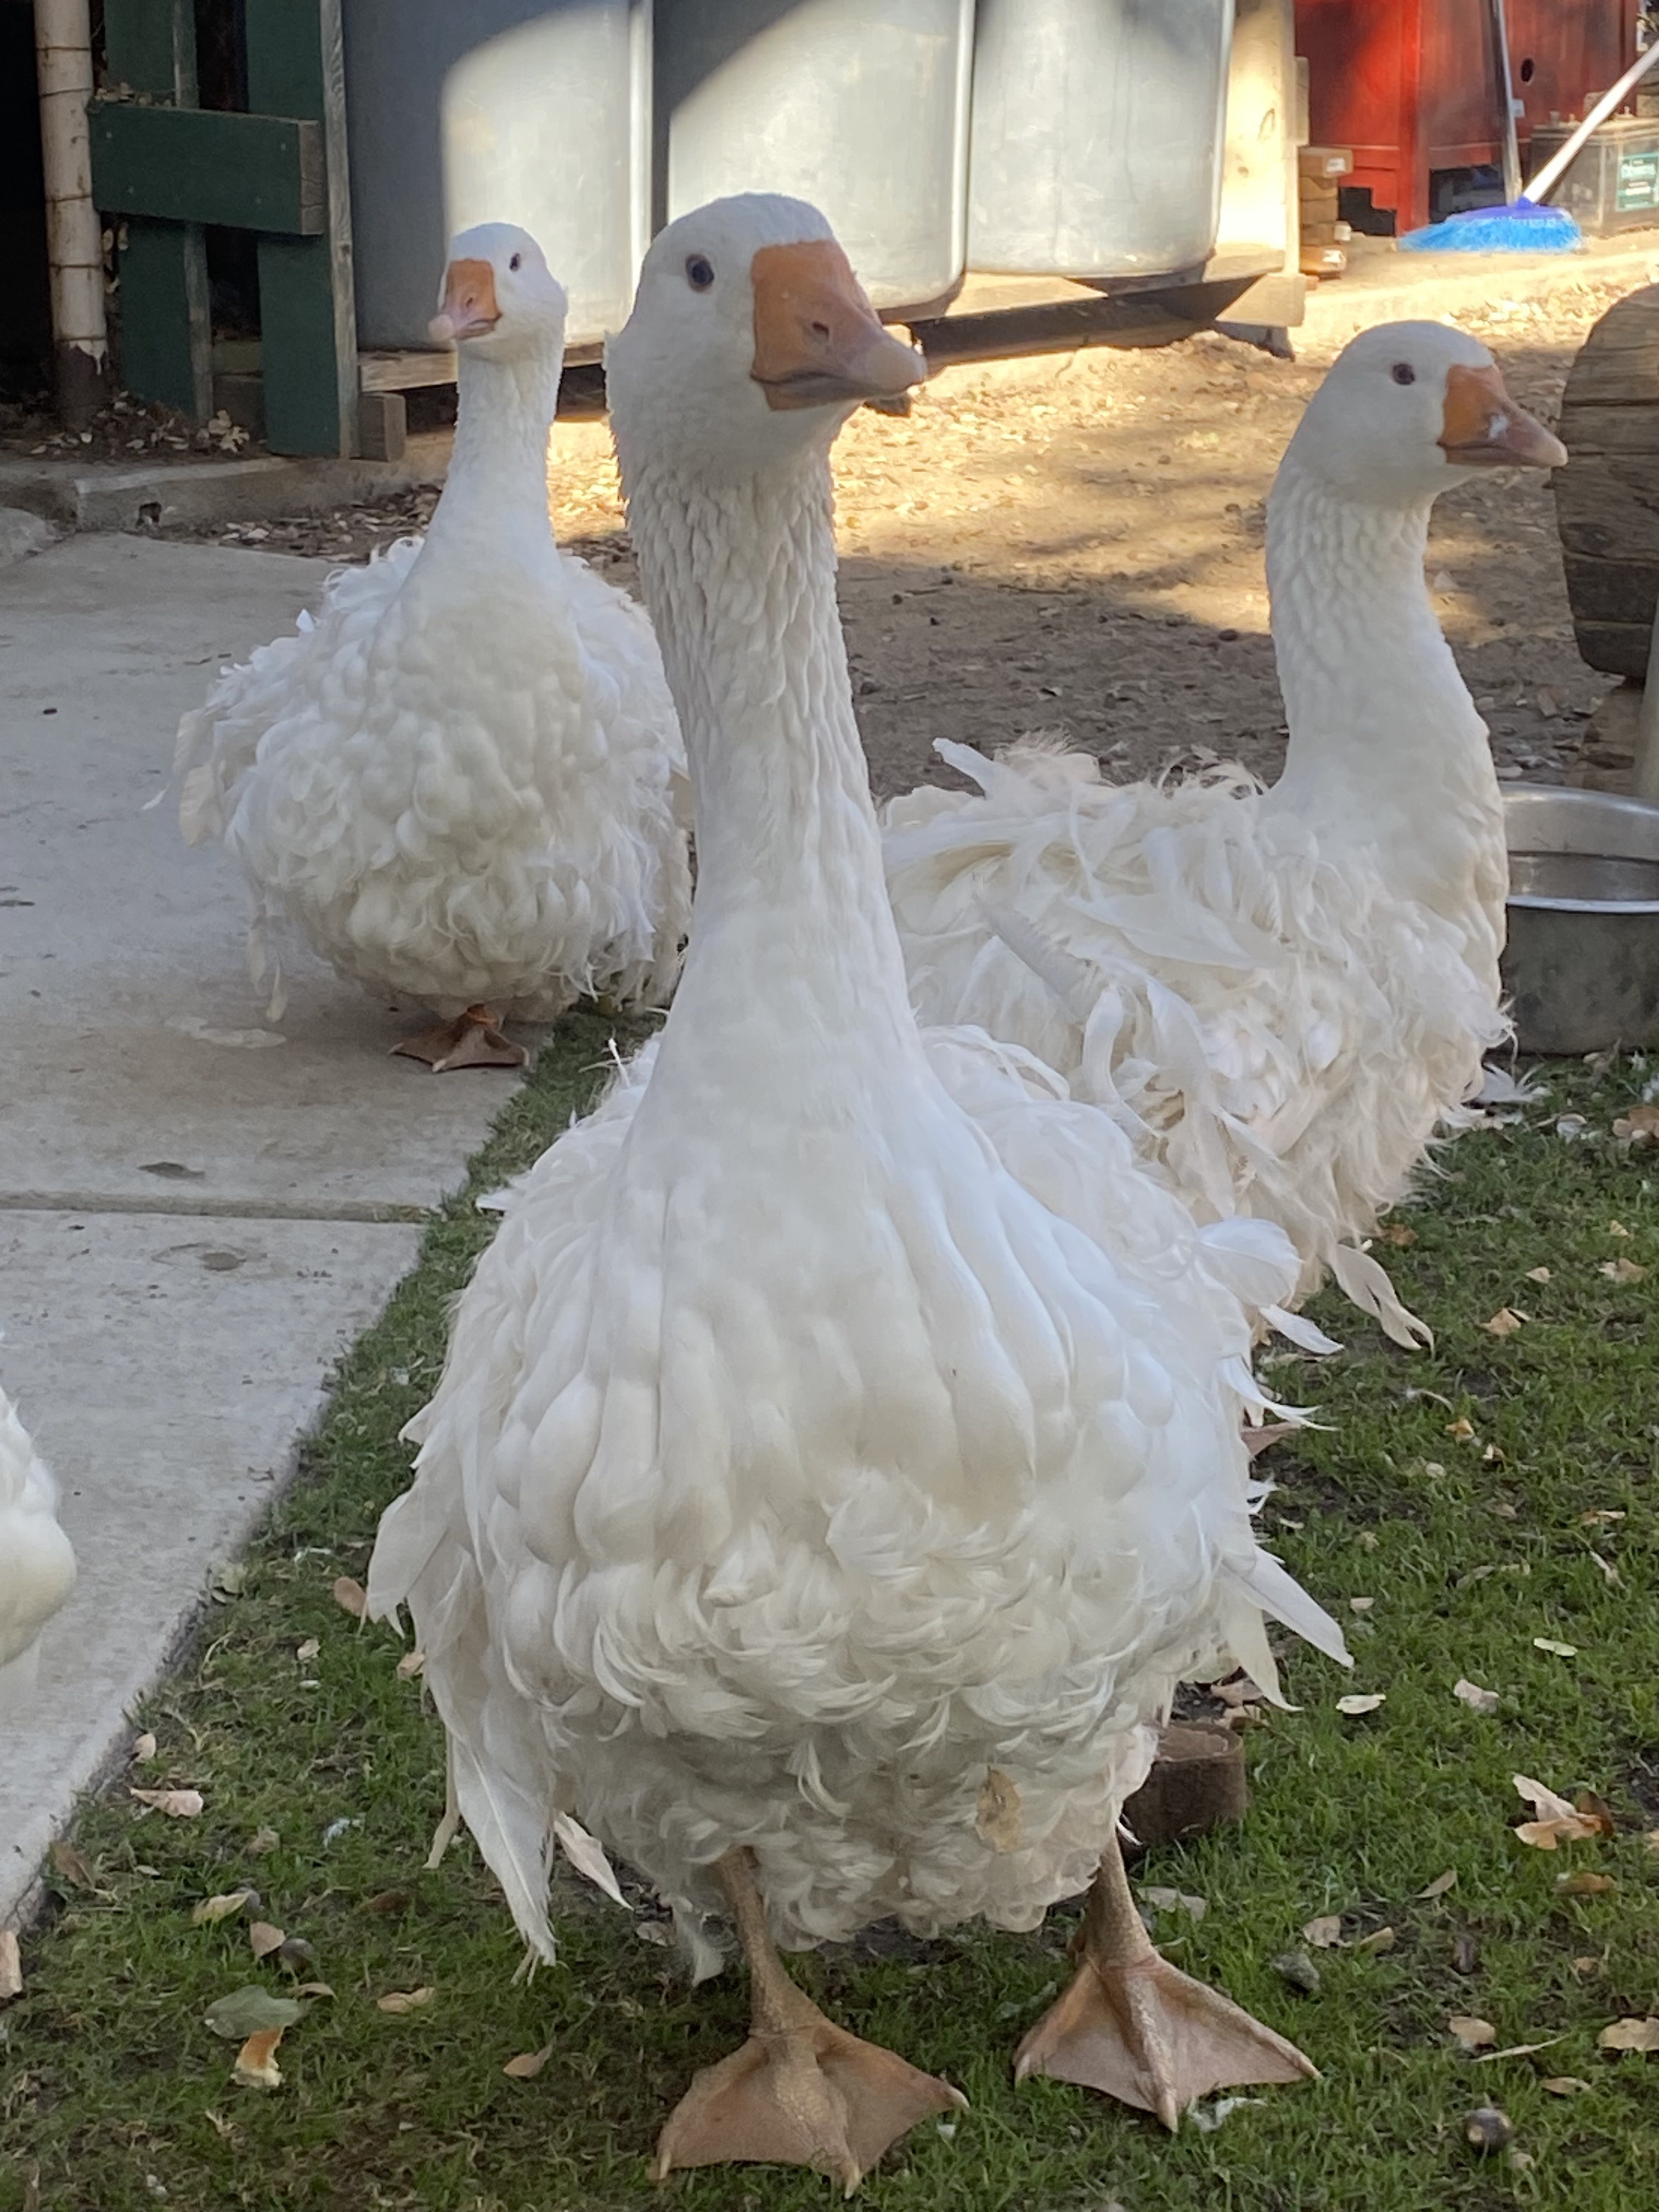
pixel 1135 2026
pixel 471 1040
pixel 801 2091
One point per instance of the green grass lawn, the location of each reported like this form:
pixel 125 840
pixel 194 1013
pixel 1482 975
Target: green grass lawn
pixel 322 1774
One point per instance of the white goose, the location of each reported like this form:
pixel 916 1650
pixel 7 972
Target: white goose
pixel 837 1460
pixel 37 1565
pixel 460 780
pixel 1281 995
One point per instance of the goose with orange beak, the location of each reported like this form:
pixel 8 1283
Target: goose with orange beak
pixel 463 781
pixel 837 1462
pixel 1285 995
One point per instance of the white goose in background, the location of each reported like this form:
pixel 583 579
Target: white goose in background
pixel 837 1460
pixel 461 782
pixel 1281 994
pixel 37 1566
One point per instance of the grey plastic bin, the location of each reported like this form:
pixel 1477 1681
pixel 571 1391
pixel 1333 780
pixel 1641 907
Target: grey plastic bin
pixel 859 105
pixel 1097 133
pixel 532 111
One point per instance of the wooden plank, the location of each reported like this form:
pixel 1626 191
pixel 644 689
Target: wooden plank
pixel 1616 648
pixel 166 333
pixel 150 47
pixel 308 310
pixel 193 165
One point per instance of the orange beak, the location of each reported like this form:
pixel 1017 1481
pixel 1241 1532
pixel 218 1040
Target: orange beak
pixel 1482 426
pixel 469 307
pixel 818 343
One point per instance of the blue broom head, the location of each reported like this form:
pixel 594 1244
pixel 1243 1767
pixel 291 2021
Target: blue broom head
pixel 1526 227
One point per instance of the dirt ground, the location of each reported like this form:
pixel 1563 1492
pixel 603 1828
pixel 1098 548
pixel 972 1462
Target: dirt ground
pixel 1074 542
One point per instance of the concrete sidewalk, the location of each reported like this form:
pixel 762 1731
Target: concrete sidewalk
pixel 193 1225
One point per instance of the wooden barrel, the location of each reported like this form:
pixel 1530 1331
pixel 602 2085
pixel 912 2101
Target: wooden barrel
pixel 1607 503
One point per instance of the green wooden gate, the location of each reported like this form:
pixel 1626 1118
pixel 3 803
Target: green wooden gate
pixel 171 169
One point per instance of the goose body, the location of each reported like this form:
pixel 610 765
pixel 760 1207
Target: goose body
pixel 843 1424
pixel 1281 995
pixel 37 1565
pixel 459 780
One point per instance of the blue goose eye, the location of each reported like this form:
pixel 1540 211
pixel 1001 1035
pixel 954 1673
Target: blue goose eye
pixel 699 272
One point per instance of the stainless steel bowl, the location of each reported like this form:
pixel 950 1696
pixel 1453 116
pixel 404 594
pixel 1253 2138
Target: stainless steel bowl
pixel 1583 960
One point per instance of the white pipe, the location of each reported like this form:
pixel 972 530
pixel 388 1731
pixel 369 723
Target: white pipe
pixel 63 52
pixel 1558 163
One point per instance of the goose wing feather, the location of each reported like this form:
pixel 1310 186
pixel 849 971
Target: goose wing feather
pixel 1277 1032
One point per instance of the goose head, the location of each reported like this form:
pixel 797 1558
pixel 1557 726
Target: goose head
pixel 751 341
pixel 1410 408
pixel 499 300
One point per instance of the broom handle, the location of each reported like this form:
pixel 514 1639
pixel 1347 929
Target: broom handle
pixel 1552 170
pixel 1500 39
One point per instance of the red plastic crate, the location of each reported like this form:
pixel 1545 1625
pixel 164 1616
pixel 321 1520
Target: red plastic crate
pixel 1411 85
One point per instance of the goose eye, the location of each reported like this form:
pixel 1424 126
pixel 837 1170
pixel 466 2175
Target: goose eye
pixel 514 262
pixel 699 272
pixel 1403 372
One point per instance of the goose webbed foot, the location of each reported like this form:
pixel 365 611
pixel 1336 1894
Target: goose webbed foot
pixel 801 2091
pixel 1133 2027
pixel 473 1039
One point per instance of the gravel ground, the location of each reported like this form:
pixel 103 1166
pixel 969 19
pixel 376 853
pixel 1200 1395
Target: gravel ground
pixel 1075 541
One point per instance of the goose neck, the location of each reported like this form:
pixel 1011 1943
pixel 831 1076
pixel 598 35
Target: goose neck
pixel 740 579
pixel 497 482
pixel 1378 712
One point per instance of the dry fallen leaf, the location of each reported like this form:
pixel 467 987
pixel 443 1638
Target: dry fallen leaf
pixel 214 1909
pixel 1617 1229
pixel 11 1966
pixel 71 1865
pixel 1564 2085
pixel 1441 1884
pixel 350 1596
pixel 1176 1900
pixel 256 2066
pixel 1639 1127
pixel 1610 1574
pixel 1397 1234
pixel 1356 1705
pixel 1558 1821
pixel 1622 1270
pixel 411 1664
pixel 261 1841
pixel 1652 1839
pixel 1380 1939
pixel 1505 1322
pixel 1361 1604
pixel 997 1815
pixel 404 2000
pixel 144 1749
pixel 1549 1644
pixel 1584 1885
pixel 177 1804
pixel 1538 1274
pixel 528 2064
pixel 262 1939
pixel 1462 1428
pixel 307 1651
pixel 245 2011
pixel 1630 2035
pixel 313 1990
pixel 1325 1933
pixel 1473 2034
pixel 1477 1699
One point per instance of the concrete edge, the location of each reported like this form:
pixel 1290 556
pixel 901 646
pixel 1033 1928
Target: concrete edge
pixel 168 495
